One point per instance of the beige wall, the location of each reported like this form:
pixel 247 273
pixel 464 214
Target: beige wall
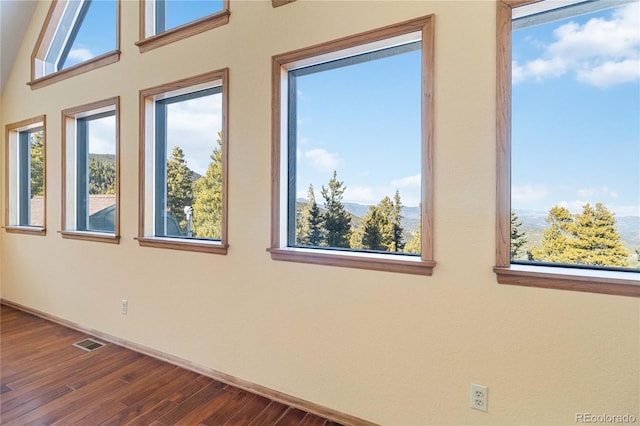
pixel 391 348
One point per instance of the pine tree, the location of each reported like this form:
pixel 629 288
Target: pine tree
pixel 555 240
pixel 597 242
pixel 207 198
pixel 374 229
pixel 518 239
pixel 397 231
pixel 179 186
pixel 588 238
pixel 337 222
pixel 36 153
pixel 415 245
pixel 310 233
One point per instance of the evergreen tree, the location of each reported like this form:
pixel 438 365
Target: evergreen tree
pixel 415 245
pixel 518 239
pixel 337 222
pixel 36 153
pixel 555 240
pixel 396 230
pixel 374 229
pixel 179 186
pixel 588 238
pixel 207 198
pixel 597 242
pixel 310 233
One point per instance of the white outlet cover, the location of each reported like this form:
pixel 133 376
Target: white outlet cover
pixel 479 397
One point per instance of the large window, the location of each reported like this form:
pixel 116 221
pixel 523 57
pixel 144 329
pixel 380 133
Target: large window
pixel 184 162
pixel 25 176
pixel 569 145
pixel 352 151
pixel 166 21
pixel 90 171
pixel 77 36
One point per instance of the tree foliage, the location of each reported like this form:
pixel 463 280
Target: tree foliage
pixel 207 198
pixel 337 222
pixel 381 228
pixel 179 186
pixel 415 245
pixel 37 164
pixel 587 238
pixel 518 238
pixel 310 232
pixel 102 177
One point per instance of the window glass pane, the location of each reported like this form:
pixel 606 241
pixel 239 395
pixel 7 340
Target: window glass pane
pixel 180 12
pixel 93 34
pixel 576 140
pixel 101 188
pixel 35 176
pixel 355 153
pixel 193 179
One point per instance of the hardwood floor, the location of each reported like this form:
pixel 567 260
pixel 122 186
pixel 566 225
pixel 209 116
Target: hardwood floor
pixel 46 380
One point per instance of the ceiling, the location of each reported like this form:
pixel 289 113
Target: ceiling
pixel 14 20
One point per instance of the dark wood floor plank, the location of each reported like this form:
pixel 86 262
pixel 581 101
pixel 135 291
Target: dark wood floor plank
pixel 45 380
pixel 292 417
pixel 269 415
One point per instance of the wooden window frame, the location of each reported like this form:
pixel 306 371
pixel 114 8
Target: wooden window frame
pixel 276 3
pixel 46 36
pixel 147 100
pixel 149 40
pixel 69 122
pixel 39 121
pixel 347 46
pixel 576 279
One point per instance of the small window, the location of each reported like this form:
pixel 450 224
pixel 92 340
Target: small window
pixel 26 176
pixel 76 34
pixel 184 163
pixel 570 102
pixel 90 172
pixel 166 21
pixel 353 174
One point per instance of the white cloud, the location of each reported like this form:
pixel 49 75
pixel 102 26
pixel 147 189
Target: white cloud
pixel 576 206
pixel 360 194
pixel 528 193
pixel 409 181
pixel 80 55
pixel 102 136
pixel 597 192
pixel 602 52
pixel 322 160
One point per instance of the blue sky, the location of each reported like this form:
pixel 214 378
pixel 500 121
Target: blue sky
pixel 576 113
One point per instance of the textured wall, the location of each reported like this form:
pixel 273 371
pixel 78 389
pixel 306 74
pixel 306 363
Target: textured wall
pixel 391 348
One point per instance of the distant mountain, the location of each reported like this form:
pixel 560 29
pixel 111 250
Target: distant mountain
pixel 103 158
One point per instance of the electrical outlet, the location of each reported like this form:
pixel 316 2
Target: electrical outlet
pixel 124 307
pixel 479 397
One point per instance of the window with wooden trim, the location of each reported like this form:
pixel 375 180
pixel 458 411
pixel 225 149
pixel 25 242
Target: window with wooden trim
pixel 25 180
pixel 352 163
pixel 77 36
pixel 166 21
pixel 568 120
pixel 183 185
pixel 90 171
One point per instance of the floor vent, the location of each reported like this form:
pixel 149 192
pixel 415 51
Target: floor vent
pixel 89 345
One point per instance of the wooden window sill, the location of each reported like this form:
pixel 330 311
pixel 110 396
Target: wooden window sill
pixel 349 259
pixel 201 246
pixel 99 237
pixel 91 64
pixel 184 31
pixel 276 3
pixel 619 283
pixel 30 230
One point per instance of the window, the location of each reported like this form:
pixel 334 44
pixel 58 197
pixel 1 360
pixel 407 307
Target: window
pixel 165 21
pixel 90 172
pixel 184 145
pixel 568 146
pixel 26 176
pixel 77 36
pixel 352 173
